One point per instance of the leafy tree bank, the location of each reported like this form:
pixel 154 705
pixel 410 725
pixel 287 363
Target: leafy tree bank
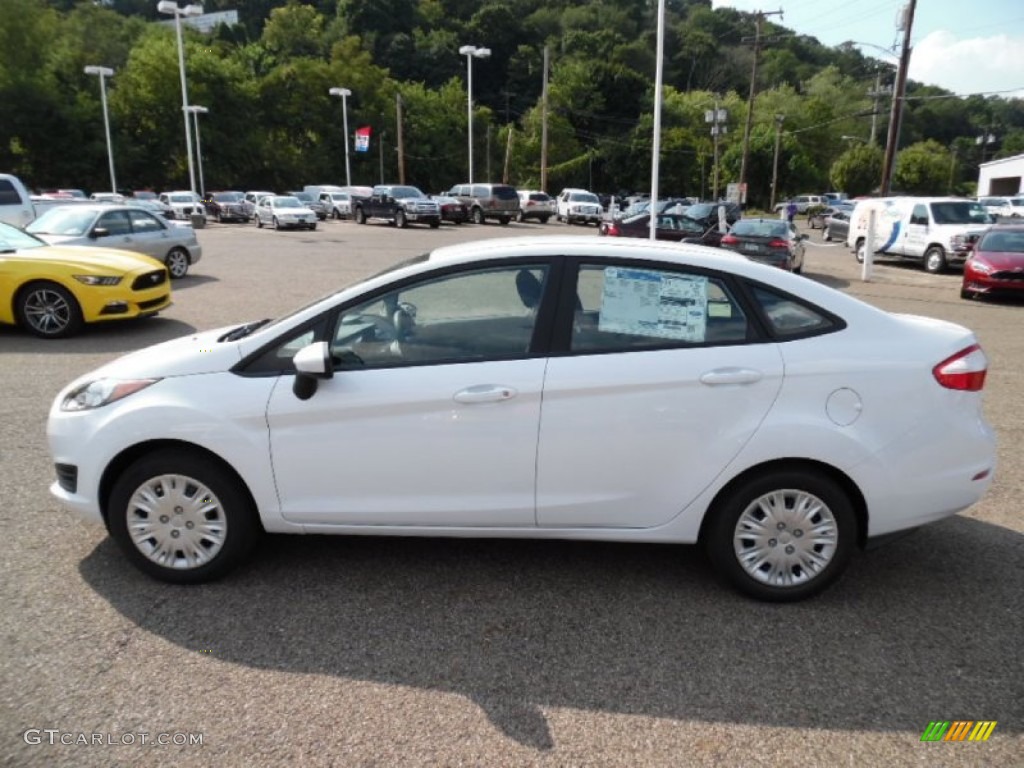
pixel 272 123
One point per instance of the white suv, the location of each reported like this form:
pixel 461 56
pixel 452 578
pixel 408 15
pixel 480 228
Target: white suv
pixel 579 205
pixel 534 204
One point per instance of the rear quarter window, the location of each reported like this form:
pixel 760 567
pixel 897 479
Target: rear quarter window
pixel 8 194
pixel 790 318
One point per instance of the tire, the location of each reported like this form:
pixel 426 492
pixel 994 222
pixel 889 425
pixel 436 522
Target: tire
pixel 504 220
pixel 520 218
pixel 259 223
pixel 478 216
pixel 826 234
pixel 334 214
pixel 178 497
pixel 935 260
pixel 177 262
pixel 860 251
pixel 312 227
pixel 969 295
pixel 543 219
pixel 220 218
pixel 277 224
pixel 756 535
pixel 400 221
pixel 435 224
pixel 48 310
pixel 360 217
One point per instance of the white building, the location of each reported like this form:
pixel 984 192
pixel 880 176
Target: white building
pixel 1001 177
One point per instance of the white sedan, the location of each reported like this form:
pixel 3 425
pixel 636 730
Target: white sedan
pixel 544 387
pixel 284 212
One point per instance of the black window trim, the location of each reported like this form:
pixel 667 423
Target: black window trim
pixel 747 285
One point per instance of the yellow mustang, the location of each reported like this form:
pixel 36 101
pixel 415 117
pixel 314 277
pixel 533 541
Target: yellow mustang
pixel 52 290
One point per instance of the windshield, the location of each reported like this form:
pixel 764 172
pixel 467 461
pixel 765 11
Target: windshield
pixel 286 202
pixel 228 197
pixel 1005 241
pixel 760 228
pixel 700 210
pixel 187 198
pixel 584 197
pixel 405 192
pixel 12 239
pixel 63 221
pixel 959 212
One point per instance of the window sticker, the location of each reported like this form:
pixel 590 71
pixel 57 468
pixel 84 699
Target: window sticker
pixel 648 303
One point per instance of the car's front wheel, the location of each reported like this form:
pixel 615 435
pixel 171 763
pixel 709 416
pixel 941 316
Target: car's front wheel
pixel 360 216
pixel 177 262
pixel 181 517
pixel 783 535
pixel 935 260
pixel 478 216
pixel 48 310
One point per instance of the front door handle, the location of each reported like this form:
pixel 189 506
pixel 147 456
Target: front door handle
pixel 721 376
pixel 484 393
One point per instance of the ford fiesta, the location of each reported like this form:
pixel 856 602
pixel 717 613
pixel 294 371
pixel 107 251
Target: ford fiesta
pixel 546 387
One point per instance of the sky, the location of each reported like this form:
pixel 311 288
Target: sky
pixel 965 46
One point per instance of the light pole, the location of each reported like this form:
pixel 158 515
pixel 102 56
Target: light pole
pixel 779 119
pixel 196 112
pixel 344 93
pixel 471 52
pixel 172 8
pixel 103 73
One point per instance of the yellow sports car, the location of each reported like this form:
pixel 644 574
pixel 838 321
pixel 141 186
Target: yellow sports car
pixel 52 290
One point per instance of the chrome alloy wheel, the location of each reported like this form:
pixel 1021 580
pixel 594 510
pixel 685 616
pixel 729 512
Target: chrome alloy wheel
pixel 176 522
pixel 785 538
pixel 47 311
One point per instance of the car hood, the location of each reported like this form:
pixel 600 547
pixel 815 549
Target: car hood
pixel 185 356
pixel 1001 260
pixel 97 260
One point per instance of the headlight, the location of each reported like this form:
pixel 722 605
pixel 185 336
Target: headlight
pixel 98 279
pixel 95 394
pixel 981 266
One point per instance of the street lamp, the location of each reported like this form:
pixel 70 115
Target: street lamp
pixel 196 112
pixel 103 73
pixel 471 52
pixel 344 93
pixel 172 8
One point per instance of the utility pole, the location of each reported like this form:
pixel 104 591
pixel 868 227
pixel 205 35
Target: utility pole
pixel 401 144
pixel 757 40
pixel 893 135
pixel 875 94
pixel 775 162
pixel 544 127
pixel 508 156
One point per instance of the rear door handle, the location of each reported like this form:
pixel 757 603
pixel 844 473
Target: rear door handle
pixel 484 393
pixel 721 376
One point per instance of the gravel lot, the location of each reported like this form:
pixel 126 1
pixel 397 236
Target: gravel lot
pixel 404 652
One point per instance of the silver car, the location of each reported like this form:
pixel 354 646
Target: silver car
pixel 284 212
pixel 127 227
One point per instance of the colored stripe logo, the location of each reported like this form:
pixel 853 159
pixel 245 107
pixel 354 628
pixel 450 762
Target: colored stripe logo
pixel 958 730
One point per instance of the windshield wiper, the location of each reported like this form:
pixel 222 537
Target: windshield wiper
pixel 243 330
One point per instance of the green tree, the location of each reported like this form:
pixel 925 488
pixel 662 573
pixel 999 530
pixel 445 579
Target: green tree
pixel 922 169
pixel 294 30
pixel 858 170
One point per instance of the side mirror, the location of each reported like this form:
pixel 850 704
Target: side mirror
pixel 312 363
pixel 99 232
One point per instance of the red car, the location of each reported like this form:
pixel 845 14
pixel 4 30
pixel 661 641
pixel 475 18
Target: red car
pixel 996 264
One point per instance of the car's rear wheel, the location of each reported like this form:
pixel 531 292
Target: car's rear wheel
pixel 783 535
pixel 182 518
pixel 478 216
pixel 177 262
pixel 360 216
pixel 935 260
pixel 48 310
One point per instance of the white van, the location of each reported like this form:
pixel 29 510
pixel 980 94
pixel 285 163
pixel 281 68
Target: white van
pixel 16 206
pixel 937 231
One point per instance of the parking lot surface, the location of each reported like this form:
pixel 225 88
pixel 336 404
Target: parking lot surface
pixel 413 652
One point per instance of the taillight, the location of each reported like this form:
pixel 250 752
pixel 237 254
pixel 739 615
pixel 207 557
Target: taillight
pixel 778 243
pixel 730 240
pixel 612 230
pixel 964 371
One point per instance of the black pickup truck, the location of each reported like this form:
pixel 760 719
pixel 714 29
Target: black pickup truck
pixel 397 204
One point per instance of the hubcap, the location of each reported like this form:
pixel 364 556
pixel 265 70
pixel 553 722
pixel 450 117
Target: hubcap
pixel 177 263
pixel 47 311
pixel 786 538
pixel 176 522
